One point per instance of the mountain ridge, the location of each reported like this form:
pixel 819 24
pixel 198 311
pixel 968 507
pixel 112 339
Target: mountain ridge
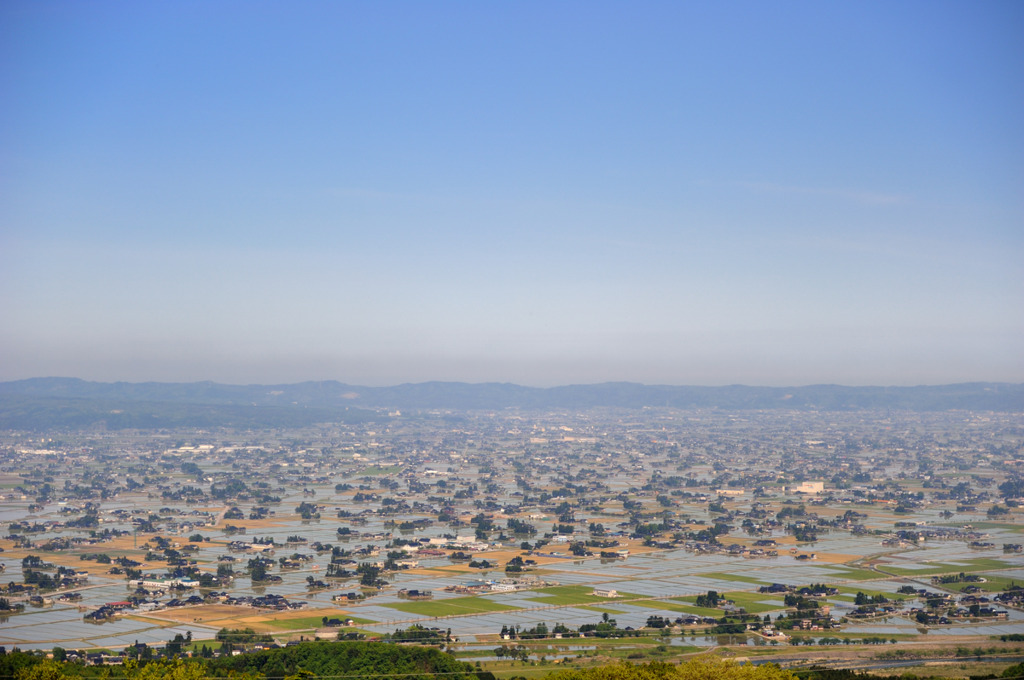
pixel 42 403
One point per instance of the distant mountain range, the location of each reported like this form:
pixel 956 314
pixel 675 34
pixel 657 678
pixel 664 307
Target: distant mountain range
pixel 70 403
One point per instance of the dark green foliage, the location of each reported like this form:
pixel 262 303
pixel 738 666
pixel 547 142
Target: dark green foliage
pixel 307 510
pixel 957 578
pixel 706 668
pixel 519 527
pixel 710 600
pixel 1012 488
pixel 863 599
pixel 420 634
pixel 799 511
pixel 241 638
pixel 12 662
pixel 370 575
pixel 1014 671
pixel 847 674
pixel 325 659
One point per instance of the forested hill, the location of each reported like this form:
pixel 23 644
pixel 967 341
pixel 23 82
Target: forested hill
pixel 44 403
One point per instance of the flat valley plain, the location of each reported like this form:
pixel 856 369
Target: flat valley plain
pixel 570 536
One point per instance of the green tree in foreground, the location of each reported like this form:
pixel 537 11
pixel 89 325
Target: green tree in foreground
pixel 166 670
pixel 707 668
pixel 45 670
pixel 332 659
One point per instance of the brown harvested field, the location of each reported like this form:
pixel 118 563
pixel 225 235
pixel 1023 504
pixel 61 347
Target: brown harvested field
pixel 224 615
pixel 266 624
pixel 749 541
pixel 128 543
pixel 459 568
pixel 211 614
pixel 94 569
pixel 635 546
pixel 785 540
pixel 329 611
pixel 543 560
pixel 63 559
pixel 501 556
pixel 430 571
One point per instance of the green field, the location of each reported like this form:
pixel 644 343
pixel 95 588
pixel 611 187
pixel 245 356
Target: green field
pixel 986 563
pixel 298 624
pixel 749 601
pixel 600 610
pixel 1005 526
pixel 849 593
pixel 631 649
pixel 967 566
pixel 308 622
pixel 452 607
pixel 569 595
pixel 654 651
pixel 465 654
pixel 925 570
pixel 752 602
pixel 670 606
pixel 570 599
pixel 852 574
pixel 688 606
pixel 992 584
pixel 722 576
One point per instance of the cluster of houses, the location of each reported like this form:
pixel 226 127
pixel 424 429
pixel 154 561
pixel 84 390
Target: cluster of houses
pixel 944 608
pixel 269 601
pixel 109 611
pixel 735 550
pixel 968 608
pixel 165 583
pixel 65 579
pixel 920 533
pixel 415 594
pixel 505 585
pixel 243 547
pixel 142 649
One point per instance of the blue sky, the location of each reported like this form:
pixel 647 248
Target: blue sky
pixel 541 193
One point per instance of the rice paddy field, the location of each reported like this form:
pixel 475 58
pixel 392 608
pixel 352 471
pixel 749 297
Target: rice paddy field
pixel 600 482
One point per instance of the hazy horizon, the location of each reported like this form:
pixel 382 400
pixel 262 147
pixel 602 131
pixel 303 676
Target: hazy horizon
pixel 666 193
pixel 495 382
